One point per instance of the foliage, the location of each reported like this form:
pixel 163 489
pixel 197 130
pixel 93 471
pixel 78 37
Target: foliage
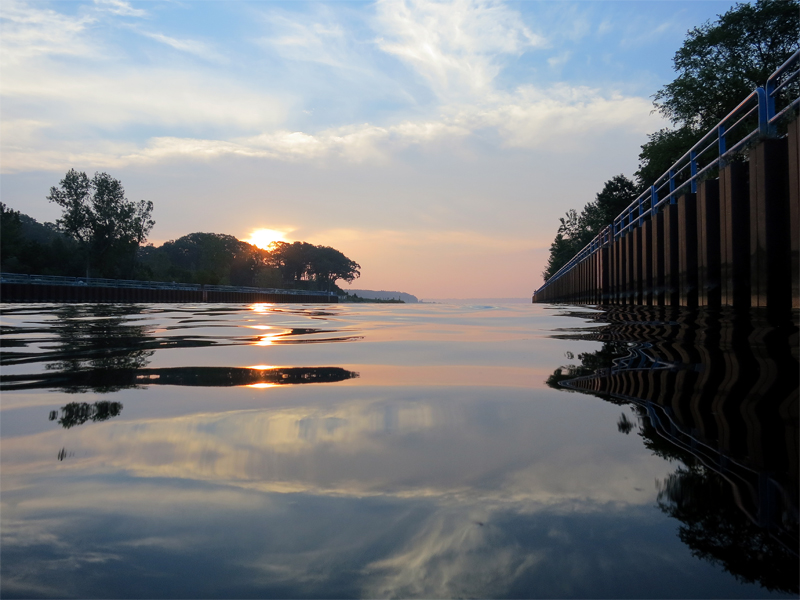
pixel 661 150
pixel 207 258
pixel 27 246
pixel 577 230
pixel 107 226
pixel 616 195
pixel 323 265
pixel 355 298
pixel 561 251
pixel 718 65
pixel 721 62
pixel 101 233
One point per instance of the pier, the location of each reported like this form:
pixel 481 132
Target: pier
pixel 719 228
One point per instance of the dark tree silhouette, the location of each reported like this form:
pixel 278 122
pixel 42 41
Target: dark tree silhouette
pixel 108 227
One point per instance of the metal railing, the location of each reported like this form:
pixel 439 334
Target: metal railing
pixel 729 137
pixel 147 285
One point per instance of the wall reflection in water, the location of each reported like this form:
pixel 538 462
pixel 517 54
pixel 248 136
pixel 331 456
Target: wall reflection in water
pixel 717 392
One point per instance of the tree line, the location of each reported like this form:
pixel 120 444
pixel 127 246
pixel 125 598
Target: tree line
pixel 103 234
pixel 718 65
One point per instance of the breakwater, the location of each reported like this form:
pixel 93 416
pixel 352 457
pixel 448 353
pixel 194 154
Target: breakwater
pixel 720 228
pixel 32 288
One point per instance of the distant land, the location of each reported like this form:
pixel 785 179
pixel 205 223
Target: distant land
pixel 384 295
pixel 479 300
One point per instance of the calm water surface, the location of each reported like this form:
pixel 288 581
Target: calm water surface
pixel 167 451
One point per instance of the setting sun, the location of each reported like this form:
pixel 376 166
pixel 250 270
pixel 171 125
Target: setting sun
pixel 264 237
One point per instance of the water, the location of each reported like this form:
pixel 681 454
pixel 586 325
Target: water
pixel 162 451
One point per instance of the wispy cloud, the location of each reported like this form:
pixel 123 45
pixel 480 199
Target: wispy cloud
pixel 457 46
pixel 561 120
pixel 197 48
pixel 318 38
pixel 119 7
pixel 30 32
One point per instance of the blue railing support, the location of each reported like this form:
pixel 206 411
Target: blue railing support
pixel 764 127
pixel 653 196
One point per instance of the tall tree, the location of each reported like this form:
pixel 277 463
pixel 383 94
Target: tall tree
pixel 616 195
pixel 108 227
pixel 577 230
pixel 208 258
pixel 718 65
pixel 301 261
pixel 722 61
pixel 328 265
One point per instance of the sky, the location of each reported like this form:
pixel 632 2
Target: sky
pixel 434 143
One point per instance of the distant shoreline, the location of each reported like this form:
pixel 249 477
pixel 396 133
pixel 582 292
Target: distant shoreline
pixel 526 300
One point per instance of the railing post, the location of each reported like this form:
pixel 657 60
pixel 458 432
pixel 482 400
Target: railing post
pixel 721 140
pixel 765 112
pixel 641 211
pixel 654 194
pixel 693 170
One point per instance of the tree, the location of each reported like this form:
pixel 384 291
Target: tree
pixel 207 258
pixel 108 227
pixel 561 251
pixel 577 230
pixel 718 65
pixel 660 152
pixel 27 246
pixel 291 259
pixel 721 62
pixel 329 265
pixel 301 261
pixel 616 195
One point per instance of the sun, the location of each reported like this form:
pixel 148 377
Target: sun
pixel 264 237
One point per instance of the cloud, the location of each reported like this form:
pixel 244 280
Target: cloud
pixel 29 31
pixel 560 119
pixel 119 7
pixel 457 47
pixel 199 49
pixel 316 38
pixel 448 558
pixel 133 97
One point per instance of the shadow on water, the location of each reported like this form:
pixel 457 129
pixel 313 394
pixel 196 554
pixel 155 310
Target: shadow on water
pixel 718 393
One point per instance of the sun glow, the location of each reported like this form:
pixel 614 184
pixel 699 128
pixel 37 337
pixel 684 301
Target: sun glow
pixel 264 237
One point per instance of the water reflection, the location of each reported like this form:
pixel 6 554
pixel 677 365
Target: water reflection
pixel 78 413
pixel 717 392
pixel 107 348
pixel 449 470
pixel 114 379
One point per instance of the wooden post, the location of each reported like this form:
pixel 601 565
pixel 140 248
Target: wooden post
pixel 770 254
pixel 605 287
pixel 708 244
pixel 636 267
pixel 628 268
pixel 687 250
pixel 647 262
pixel 658 259
pixel 734 200
pixel 671 256
pixel 794 208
